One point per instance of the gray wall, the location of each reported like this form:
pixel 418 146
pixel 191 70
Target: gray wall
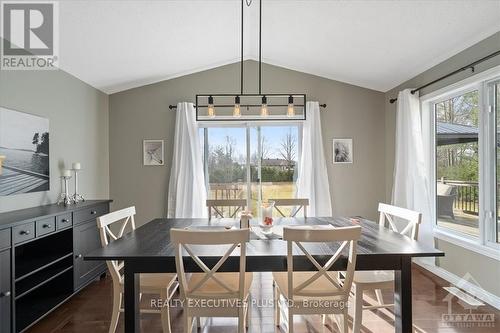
pixel 142 113
pixel 78 125
pixel 457 260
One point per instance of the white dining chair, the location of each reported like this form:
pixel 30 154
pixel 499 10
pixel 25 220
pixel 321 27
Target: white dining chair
pixel 376 281
pixel 318 292
pixel 215 205
pixel 299 203
pixel 211 293
pixel 112 227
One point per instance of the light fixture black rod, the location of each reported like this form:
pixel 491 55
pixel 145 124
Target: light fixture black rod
pixel 260 47
pixel 173 107
pixel 241 64
pixel 469 66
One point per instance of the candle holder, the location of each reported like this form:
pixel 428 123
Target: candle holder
pixel 65 197
pixel 76 197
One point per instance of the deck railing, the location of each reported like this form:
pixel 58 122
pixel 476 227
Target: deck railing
pixel 467 198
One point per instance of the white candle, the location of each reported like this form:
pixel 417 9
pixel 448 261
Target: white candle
pixel 66 173
pixel 77 166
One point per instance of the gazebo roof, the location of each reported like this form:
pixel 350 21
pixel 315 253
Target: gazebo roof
pixel 448 133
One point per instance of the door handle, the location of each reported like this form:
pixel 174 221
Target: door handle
pixel 78 256
pixel 5 294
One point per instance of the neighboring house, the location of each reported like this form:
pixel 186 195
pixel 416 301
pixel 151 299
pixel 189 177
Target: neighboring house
pixel 278 163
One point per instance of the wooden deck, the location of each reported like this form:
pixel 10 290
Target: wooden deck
pixel 15 182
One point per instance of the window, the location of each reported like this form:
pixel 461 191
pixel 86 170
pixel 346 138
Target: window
pixel 250 162
pixel 466 158
pixel 457 163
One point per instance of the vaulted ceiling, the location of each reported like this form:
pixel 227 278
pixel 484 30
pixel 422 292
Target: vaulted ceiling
pixel 117 45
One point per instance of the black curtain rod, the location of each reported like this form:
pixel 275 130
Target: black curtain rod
pixel 173 107
pixel 469 66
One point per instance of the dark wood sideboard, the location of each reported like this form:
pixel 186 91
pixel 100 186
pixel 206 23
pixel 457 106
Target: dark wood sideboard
pixel 41 259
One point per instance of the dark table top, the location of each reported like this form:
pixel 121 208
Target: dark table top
pixel 378 248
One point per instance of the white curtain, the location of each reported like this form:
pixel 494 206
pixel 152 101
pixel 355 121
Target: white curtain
pixel 312 182
pixel 411 167
pixel 186 189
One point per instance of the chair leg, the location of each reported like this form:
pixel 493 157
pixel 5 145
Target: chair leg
pixel 165 311
pixel 345 318
pixel 188 322
pixel 241 320
pixel 276 306
pixel 380 298
pixel 117 303
pixel 290 321
pixel 358 309
pixel 248 310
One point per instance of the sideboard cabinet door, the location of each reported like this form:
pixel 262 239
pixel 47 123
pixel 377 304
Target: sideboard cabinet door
pixel 86 239
pixel 5 291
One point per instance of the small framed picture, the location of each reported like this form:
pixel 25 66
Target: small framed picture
pixel 342 151
pixel 153 152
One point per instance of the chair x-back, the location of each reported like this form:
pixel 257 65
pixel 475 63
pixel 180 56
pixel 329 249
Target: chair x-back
pixel 215 205
pixel 298 203
pixel 161 284
pixel 317 292
pixel 229 290
pixel 394 217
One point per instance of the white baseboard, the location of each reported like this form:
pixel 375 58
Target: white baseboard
pixel 467 286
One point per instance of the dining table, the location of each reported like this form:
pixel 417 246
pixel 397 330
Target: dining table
pixel 149 249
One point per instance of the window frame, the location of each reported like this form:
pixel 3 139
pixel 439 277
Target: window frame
pixel 485 243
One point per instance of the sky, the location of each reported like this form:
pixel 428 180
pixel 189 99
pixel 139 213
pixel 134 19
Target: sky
pixel 273 134
pixel 17 129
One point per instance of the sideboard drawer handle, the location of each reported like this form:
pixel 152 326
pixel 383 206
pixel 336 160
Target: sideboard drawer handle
pixel 64 220
pixel 93 212
pixel 5 294
pixel 46 226
pixel 78 256
pixel 24 232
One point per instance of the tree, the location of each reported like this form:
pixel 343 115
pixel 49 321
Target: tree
pixel 43 146
pixel 265 152
pixel 36 138
pixel 288 149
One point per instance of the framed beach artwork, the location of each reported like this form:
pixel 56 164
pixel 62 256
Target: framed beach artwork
pixel 153 152
pixel 342 151
pixel 24 153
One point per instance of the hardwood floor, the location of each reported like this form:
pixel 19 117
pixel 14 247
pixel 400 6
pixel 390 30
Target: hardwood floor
pixel 90 312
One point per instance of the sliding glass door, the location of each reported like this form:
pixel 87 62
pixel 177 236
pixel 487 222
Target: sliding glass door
pixel 251 162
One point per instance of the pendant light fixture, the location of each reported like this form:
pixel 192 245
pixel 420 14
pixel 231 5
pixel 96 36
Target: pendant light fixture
pixel 290 112
pixel 236 110
pixel 263 109
pixel 258 106
pixel 211 107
